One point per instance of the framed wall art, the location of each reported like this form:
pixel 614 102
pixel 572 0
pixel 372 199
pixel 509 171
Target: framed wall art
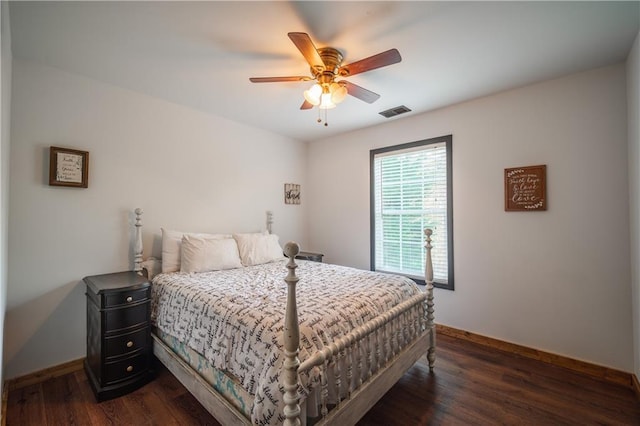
pixel 68 167
pixel 291 193
pixel 525 188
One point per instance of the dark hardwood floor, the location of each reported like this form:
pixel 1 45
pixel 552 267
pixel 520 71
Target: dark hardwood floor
pixel 471 385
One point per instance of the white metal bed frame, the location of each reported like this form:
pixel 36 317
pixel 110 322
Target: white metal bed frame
pixel 376 374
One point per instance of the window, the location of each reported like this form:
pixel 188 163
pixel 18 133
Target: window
pixel 411 190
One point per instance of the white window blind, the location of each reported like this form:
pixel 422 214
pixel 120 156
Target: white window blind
pixel 410 194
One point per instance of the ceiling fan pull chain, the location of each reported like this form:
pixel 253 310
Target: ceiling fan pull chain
pixel 326 124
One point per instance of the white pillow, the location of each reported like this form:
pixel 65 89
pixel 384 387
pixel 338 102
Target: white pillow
pixel 256 249
pixel 208 254
pixel 172 245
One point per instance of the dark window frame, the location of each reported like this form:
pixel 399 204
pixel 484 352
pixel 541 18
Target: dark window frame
pixel 448 141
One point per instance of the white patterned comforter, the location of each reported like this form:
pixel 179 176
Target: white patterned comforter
pixel 235 318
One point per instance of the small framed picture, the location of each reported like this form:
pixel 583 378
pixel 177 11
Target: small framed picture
pixel 68 167
pixel 291 193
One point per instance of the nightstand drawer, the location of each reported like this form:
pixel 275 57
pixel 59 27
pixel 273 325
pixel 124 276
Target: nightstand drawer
pixel 126 318
pixel 127 343
pixel 125 369
pixel 126 297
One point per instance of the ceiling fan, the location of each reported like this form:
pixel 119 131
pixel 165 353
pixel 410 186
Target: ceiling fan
pixel 328 72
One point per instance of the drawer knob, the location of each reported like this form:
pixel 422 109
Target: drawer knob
pixel 129 299
pixel 129 369
pixel 129 344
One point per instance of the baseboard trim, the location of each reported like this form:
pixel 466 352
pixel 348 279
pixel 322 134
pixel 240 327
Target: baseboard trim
pixel 596 371
pixel 42 375
pixel 5 400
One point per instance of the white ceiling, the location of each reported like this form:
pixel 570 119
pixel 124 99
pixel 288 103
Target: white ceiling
pixel 201 54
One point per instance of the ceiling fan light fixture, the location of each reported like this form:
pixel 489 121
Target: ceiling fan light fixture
pixel 326 102
pixel 338 92
pixel 325 95
pixel 313 95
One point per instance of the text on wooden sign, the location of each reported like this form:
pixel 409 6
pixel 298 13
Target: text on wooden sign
pixel 525 188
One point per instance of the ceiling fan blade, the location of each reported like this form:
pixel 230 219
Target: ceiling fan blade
pixel 391 56
pixel 306 105
pixel 360 92
pixel 308 49
pixel 275 79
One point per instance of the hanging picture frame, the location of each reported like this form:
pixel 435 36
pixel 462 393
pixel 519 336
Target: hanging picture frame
pixel 68 167
pixel 525 188
pixel 291 193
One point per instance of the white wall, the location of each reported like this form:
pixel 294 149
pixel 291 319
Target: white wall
pixel 188 171
pixel 555 280
pixel 5 95
pixel 633 119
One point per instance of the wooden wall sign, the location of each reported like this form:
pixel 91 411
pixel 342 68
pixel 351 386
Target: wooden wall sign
pixel 525 188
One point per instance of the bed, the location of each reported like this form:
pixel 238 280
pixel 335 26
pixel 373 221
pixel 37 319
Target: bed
pixel 283 341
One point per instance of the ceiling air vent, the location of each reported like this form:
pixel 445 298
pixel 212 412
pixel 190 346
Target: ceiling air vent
pixel 394 111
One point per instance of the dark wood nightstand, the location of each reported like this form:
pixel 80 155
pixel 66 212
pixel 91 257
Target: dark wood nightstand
pixel 119 346
pixel 307 255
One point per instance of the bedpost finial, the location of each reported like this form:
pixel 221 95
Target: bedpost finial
pixel 269 221
pixel 137 247
pixel 291 249
pixel 428 265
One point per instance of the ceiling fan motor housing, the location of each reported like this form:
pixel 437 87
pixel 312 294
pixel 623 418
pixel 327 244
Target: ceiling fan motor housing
pixel 332 59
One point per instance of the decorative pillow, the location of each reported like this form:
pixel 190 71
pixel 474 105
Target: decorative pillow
pixel 172 246
pixel 208 254
pixel 256 249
